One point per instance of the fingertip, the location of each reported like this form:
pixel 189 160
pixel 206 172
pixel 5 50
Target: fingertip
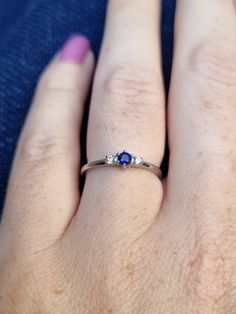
pixel 69 73
pixel 75 50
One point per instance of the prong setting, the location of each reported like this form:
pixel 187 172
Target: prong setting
pixel 124 159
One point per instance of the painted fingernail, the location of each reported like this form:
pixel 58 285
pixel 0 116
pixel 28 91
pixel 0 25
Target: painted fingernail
pixel 75 49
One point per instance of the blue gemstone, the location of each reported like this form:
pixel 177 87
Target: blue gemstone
pixel 124 159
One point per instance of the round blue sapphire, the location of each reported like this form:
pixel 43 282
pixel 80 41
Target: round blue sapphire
pixel 124 159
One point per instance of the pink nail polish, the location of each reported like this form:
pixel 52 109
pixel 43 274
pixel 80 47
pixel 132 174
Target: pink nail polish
pixel 75 49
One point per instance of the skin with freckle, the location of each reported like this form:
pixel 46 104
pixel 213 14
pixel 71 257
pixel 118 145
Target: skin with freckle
pixel 129 243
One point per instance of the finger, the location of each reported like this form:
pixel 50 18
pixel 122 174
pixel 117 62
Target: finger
pixel 202 110
pixel 202 102
pixel 128 109
pixel 127 112
pixel 43 191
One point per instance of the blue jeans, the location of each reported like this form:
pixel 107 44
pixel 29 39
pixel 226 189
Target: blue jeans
pixel 31 31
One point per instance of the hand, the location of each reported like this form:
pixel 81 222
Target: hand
pixel 130 243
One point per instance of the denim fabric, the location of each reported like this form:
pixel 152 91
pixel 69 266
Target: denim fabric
pixel 31 31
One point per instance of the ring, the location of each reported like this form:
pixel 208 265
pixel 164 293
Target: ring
pixel 123 160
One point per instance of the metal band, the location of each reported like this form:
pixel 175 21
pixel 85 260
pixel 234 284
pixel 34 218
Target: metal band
pixel 113 161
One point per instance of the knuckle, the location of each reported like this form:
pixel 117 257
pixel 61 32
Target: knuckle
pixel 131 99
pixel 40 148
pixel 214 63
pixel 132 86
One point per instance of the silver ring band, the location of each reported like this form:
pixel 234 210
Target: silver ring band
pixel 123 160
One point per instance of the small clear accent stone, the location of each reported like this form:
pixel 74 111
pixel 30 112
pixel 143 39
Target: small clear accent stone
pixel 138 160
pixel 110 159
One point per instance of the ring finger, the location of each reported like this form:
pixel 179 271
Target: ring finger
pixel 127 112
